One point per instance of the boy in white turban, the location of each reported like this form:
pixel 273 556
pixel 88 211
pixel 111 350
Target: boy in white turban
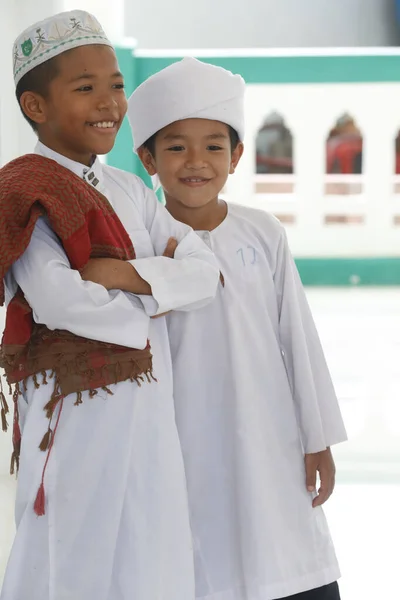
pixel 101 505
pixel 255 406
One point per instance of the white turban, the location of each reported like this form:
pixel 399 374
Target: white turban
pixel 53 36
pixel 188 89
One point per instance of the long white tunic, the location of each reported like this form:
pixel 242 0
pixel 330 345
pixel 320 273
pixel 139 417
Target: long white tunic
pixel 252 394
pixel 116 525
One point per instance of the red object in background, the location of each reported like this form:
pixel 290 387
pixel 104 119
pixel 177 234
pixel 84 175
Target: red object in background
pixel 397 163
pixel 344 155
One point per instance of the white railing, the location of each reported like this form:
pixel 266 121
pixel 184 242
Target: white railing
pixel 363 218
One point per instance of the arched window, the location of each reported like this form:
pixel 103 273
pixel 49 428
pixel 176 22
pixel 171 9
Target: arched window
pixel 344 157
pixel 274 147
pixel 274 156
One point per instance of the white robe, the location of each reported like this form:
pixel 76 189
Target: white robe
pixel 252 394
pixel 116 525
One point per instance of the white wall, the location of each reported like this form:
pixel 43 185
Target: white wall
pixel 110 13
pixel 16 137
pixel 8 113
pixel 261 23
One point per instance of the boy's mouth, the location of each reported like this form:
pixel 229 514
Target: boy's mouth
pixel 194 181
pixel 104 125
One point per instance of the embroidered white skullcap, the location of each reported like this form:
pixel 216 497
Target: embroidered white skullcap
pixel 185 90
pixel 53 36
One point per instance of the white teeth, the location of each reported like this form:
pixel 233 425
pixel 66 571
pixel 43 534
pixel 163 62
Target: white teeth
pixel 194 180
pixel 104 124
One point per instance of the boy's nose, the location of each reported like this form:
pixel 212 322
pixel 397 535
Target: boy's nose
pixel 106 102
pixel 195 160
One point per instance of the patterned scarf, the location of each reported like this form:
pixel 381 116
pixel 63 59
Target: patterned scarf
pixel 87 226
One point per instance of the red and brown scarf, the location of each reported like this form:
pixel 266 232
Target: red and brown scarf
pixel 87 226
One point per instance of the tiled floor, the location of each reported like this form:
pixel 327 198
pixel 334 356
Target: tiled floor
pixel 360 329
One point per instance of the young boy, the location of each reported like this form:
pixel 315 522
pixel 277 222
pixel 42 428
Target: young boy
pixel 101 505
pixel 255 406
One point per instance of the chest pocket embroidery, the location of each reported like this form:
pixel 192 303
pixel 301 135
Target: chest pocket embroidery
pixel 247 255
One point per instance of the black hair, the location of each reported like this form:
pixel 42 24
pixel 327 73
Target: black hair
pixel 37 80
pixel 150 144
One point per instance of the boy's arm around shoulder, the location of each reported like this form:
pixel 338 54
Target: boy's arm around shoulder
pixel 320 420
pixel 60 299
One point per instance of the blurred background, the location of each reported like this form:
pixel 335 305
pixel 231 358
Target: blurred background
pixel 323 155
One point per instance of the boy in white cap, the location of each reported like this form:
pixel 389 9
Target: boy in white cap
pixel 101 504
pixel 255 406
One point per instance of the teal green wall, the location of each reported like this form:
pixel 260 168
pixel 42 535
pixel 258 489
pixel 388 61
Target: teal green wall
pixel 122 155
pixel 349 271
pixel 296 69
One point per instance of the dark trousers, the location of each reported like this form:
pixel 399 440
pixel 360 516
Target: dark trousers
pixel 327 592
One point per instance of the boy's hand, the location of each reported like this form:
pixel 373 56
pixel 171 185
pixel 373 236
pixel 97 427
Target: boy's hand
pixel 170 248
pixel 114 274
pixel 323 463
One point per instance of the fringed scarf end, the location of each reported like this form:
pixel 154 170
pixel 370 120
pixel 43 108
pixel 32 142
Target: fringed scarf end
pixel 55 399
pixel 35 381
pixel 107 389
pixel 78 400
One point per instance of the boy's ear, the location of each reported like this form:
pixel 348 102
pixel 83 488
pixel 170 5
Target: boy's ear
pixel 235 158
pixel 34 106
pixel 147 160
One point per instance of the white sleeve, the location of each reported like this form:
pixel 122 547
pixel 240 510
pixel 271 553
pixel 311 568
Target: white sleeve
pixel 186 282
pixel 317 407
pixel 60 299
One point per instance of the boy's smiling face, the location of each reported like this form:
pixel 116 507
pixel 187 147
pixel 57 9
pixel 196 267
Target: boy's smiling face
pixel 193 159
pixel 85 105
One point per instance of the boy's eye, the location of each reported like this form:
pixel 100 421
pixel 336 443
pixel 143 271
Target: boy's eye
pixel 214 148
pixel 85 88
pixel 176 148
pixel 119 86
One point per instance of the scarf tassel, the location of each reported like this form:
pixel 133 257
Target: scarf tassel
pixel 4 424
pixel 45 443
pixel 39 505
pixel 4 408
pixel 40 501
pixel 14 465
pixel 16 434
pixel 78 400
